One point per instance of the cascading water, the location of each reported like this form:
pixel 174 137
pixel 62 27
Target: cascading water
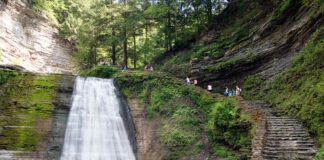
pixel 95 129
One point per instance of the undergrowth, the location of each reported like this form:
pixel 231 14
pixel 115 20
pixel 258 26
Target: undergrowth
pixel 183 110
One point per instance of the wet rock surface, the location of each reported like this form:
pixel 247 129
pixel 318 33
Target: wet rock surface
pixel 34 111
pixel 61 112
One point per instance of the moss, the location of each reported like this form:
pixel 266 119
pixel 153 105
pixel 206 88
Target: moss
pixel 284 6
pixel 223 66
pixel 27 107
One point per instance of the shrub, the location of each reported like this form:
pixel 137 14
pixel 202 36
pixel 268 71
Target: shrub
pixel 225 124
pixel 6 75
pixel 101 71
pixel 282 8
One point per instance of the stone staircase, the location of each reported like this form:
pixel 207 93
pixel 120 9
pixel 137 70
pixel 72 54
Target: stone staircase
pixel 287 139
pixel 278 137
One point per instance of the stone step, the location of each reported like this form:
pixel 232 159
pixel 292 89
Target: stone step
pixel 282 120
pixel 268 148
pixel 278 132
pixel 284 125
pixel 277 138
pixel 281 142
pixel 286 157
pixel 286 130
pixel 281 152
pixel 290 145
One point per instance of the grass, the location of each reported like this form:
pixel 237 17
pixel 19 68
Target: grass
pixel 180 109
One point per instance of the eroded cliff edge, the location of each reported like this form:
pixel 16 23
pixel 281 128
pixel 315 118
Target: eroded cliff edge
pixel 30 40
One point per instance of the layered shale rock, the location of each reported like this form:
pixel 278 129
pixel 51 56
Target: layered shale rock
pixel 30 40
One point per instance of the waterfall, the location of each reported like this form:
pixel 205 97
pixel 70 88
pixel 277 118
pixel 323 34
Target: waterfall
pixel 95 129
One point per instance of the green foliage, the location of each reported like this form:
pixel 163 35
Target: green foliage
pixel 214 50
pixel 177 138
pixel 101 71
pixel 224 152
pixel 226 124
pixel 252 85
pixel 180 108
pixel 222 66
pixel 6 75
pixel 282 8
pixel 52 9
pixel 320 154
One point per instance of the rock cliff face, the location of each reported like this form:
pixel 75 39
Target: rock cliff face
pixel 246 39
pixel 29 40
pixel 268 46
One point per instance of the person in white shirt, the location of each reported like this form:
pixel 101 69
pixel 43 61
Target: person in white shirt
pixel 188 80
pixel 210 88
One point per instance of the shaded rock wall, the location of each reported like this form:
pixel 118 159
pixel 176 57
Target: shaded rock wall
pixel 63 104
pixel 30 40
pixel 34 112
pixel 268 51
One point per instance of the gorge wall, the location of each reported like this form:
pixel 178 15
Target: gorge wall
pixel 273 50
pixel 30 40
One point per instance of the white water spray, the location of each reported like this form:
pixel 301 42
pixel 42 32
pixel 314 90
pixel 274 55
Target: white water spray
pixel 95 129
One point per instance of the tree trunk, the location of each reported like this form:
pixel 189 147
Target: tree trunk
pixel 113 47
pixel 125 38
pixel 125 49
pixel 209 10
pixel 134 38
pixel 146 32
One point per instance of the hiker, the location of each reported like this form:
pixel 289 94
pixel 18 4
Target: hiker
pixel 210 88
pixel 238 90
pixel 151 68
pixel 188 80
pixel 226 92
pixel 233 92
pixel 125 68
pixel 230 93
pixel 145 68
pixel 195 82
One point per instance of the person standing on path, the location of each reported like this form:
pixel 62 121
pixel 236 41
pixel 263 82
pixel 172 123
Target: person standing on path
pixel 195 82
pixel 210 88
pixel 188 80
pixel 226 92
pixel 238 91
